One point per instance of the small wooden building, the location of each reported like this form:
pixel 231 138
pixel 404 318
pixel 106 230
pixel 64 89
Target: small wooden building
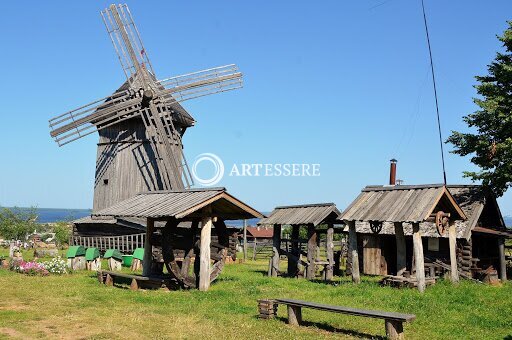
pixel 458 227
pixel 180 223
pixel 310 216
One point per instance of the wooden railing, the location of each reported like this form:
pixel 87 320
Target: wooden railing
pixel 124 243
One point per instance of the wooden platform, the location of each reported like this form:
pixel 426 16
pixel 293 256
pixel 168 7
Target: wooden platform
pixel 403 282
pixel 138 281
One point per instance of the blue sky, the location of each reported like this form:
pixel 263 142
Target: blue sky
pixel 344 84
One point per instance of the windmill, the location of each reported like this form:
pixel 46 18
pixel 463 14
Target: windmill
pixel 142 124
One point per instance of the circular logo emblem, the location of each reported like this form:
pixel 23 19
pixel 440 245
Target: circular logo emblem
pixel 218 165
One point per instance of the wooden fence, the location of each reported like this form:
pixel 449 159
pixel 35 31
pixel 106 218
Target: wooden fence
pixel 124 243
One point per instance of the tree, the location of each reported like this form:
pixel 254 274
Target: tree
pixel 16 223
pixel 491 146
pixel 62 232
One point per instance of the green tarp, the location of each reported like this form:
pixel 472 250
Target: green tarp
pixel 138 254
pixel 75 251
pixel 92 254
pixel 113 253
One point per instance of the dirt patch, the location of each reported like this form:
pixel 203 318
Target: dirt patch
pixel 10 332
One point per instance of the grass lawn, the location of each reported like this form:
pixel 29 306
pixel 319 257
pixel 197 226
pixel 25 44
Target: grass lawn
pixel 77 306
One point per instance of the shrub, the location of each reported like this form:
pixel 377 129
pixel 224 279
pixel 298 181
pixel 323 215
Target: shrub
pixel 29 268
pixel 55 266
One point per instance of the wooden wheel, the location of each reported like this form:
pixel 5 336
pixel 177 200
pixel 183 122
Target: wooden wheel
pixel 180 252
pixel 442 222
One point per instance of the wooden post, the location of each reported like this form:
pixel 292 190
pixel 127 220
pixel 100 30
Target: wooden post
pixel 400 249
pixel 418 256
pixel 312 236
pixel 394 330
pixel 352 249
pixel 254 245
pixel 330 251
pixel 503 262
pixel 294 315
pixel 454 272
pixel 292 262
pixel 148 248
pixel 245 240
pixel 276 247
pixel 204 251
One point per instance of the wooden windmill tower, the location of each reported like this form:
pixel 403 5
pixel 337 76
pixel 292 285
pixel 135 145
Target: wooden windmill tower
pixel 141 125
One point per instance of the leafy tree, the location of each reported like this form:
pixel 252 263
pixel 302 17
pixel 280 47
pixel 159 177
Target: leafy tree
pixel 490 146
pixel 62 232
pixel 17 223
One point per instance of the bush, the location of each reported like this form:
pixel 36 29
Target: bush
pixel 55 266
pixel 16 223
pixel 62 232
pixel 29 268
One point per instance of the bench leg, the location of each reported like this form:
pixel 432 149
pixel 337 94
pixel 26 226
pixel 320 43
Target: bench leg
pixel 134 285
pixel 394 330
pixel 109 281
pixel 294 315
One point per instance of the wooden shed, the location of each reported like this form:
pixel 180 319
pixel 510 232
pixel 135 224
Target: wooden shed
pixel 449 227
pixel 180 222
pixel 310 216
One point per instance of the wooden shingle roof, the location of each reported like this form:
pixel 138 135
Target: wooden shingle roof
pixel 181 205
pixel 303 214
pixel 403 203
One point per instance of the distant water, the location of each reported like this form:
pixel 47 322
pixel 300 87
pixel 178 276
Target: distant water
pixel 51 215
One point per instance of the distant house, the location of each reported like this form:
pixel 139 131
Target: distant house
pixel 259 233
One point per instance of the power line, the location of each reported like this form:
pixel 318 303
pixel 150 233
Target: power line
pixel 435 89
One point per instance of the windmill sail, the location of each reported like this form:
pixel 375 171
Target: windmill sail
pixel 144 97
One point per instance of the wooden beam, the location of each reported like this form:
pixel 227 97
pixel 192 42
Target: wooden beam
pixel 245 240
pixel 204 251
pixel 400 249
pixel 148 248
pixel 292 263
pixel 503 261
pixel 311 269
pixel 330 251
pixel 418 256
pixel 352 249
pixel 452 235
pixel 276 246
pixel 294 315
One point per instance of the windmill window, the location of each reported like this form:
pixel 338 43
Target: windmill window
pixel 105 181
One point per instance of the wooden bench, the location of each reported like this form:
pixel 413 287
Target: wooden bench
pixel 393 321
pixel 137 281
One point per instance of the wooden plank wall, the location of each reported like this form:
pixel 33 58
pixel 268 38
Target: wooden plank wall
pixel 125 243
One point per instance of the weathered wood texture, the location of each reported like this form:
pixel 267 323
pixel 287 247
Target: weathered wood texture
pixel 502 259
pixel 354 256
pixel 374 263
pixel 393 321
pixel 293 260
pixel 418 257
pixel 454 272
pixel 330 252
pixel 401 261
pixel 276 246
pixel 148 248
pixel 125 164
pixel 312 240
pixel 204 267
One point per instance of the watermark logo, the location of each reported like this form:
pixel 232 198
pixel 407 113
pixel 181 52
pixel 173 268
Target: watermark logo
pixel 251 169
pixel 218 172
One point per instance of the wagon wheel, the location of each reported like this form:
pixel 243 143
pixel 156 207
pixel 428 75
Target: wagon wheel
pixel 441 222
pixel 375 226
pixel 182 260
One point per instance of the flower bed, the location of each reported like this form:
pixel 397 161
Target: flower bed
pixel 33 268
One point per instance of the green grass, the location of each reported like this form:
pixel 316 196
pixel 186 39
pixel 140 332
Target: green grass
pixel 77 306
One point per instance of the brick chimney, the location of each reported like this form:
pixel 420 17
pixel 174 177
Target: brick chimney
pixel 392 172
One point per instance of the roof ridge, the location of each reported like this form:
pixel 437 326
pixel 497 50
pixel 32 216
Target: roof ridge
pixel 304 205
pixel 182 191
